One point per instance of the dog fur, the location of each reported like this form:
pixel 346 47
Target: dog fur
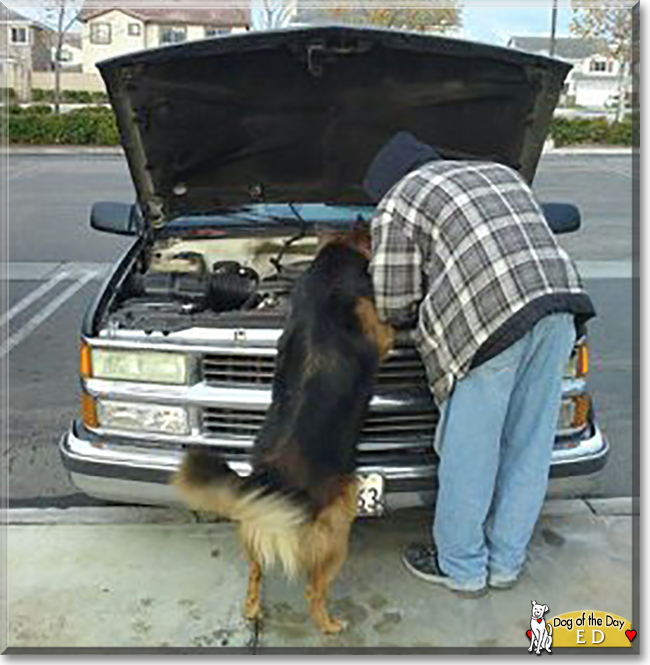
pixel 298 505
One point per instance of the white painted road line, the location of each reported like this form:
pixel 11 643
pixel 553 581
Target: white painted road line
pixel 19 173
pixel 32 297
pixel 37 271
pixel 44 314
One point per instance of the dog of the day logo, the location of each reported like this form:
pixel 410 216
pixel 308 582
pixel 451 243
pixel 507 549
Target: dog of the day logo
pixel 583 628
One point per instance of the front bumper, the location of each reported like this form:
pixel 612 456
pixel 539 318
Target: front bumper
pixel 121 470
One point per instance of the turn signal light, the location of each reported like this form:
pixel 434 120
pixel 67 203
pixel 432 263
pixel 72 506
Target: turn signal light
pixel 85 363
pixel 88 411
pixel 582 360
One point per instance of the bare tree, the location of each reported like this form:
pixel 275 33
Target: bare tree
pixel 404 15
pixel 63 14
pixel 610 22
pixel 276 13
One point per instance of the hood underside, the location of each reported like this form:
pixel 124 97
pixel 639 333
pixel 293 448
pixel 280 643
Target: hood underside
pixel 297 115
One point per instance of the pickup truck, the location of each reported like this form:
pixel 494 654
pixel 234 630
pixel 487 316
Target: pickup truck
pixel 243 151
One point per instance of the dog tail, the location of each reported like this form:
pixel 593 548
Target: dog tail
pixel 271 523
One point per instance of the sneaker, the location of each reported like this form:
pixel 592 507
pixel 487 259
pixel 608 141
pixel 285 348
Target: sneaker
pixel 422 561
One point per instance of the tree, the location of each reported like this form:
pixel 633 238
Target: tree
pixel 609 22
pixel 275 13
pixel 62 14
pixel 402 15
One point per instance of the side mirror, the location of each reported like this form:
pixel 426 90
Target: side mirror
pixel 562 217
pixel 121 218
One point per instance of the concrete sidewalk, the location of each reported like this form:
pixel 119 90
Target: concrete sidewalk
pixel 151 578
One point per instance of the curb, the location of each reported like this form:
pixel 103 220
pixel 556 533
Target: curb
pixel 117 150
pixel 612 507
pixel 618 151
pixel 62 150
pixel 99 515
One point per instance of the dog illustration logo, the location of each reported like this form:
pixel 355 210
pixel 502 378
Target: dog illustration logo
pixel 540 638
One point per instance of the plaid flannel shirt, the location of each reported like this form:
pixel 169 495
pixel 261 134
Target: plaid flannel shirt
pixel 458 249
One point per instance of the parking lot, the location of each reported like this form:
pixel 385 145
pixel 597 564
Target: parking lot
pixel 56 263
pixel 66 592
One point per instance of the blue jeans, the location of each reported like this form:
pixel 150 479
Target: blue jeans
pixel 495 439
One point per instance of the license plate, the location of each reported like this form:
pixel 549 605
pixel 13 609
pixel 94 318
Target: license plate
pixel 370 494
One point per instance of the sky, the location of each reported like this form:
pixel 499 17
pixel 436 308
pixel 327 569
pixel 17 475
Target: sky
pixel 492 21
pixel 496 25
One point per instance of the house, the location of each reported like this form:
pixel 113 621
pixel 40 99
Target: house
pixel 24 48
pixel 71 52
pixel 113 28
pixel 594 77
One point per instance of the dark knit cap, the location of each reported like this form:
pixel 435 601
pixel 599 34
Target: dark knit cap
pixel 402 154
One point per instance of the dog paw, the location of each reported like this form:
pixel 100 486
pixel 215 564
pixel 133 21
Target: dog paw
pixel 334 626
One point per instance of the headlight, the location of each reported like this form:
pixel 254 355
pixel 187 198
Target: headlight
pixel 144 417
pixel 145 366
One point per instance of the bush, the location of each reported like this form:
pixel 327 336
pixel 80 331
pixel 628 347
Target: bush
pixel 70 96
pixel 37 109
pixel 8 94
pixel 581 131
pixel 621 132
pixel 90 126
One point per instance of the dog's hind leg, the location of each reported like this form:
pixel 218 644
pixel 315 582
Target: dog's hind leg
pixel 253 604
pixel 329 549
pixel 320 577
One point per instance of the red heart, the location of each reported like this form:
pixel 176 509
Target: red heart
pixel 631 634
pixel 539 621
pixel 529 633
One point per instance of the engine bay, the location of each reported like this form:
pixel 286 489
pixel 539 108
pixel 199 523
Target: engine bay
pixel 208 282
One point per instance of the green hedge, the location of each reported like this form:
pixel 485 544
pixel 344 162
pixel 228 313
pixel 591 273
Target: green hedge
pixel 94 125
pixel 70 96
pixel 595 131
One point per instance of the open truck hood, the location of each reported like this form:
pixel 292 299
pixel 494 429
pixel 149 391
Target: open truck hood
pixel 297 115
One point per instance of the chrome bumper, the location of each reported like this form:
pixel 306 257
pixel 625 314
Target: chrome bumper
pixel 138 473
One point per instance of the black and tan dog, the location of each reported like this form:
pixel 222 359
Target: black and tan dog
pixel 297 506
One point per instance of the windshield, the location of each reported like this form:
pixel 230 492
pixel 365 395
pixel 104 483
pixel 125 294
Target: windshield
pixel 276 214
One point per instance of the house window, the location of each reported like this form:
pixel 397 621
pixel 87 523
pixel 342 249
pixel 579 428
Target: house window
pixel 172 34
pixel 134 29
pixel 100 33
pixel 598 66
pixel 19 35
pixel 216 32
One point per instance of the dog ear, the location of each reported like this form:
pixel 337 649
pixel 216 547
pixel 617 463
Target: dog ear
pixel 534 603
pixel 545 608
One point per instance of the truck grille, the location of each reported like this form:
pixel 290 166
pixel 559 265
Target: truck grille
pixel 378 426
pixel 400 370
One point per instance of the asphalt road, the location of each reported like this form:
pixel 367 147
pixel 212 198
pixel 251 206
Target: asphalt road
pixel 49 198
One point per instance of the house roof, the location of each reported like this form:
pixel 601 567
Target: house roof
pixel 567 48
pixel 9 15
pixel 202 12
